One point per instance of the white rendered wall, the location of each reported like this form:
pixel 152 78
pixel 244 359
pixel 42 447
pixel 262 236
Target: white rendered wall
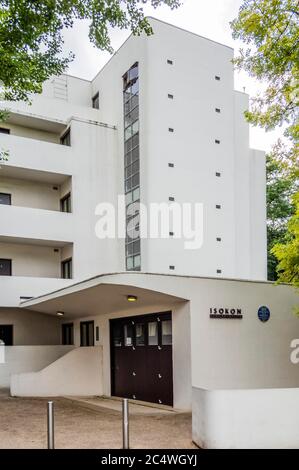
pixel 20 359
pixel 246 419
pixel 77 373
pixel 192 149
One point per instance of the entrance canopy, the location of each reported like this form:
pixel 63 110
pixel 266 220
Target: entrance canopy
pixel 103 294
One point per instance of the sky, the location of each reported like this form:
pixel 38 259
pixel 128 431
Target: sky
pixel 209 18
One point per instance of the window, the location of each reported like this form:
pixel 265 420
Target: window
pixel 97 333
pixel 96 101
pixel 218 110
pixel 65 203
pixel 5 267
pixel 128 335
pixel 86 333
pixel 170 62
pixel 153 333
pixel 171 198
pixel 3 130
pixel 218 239
pixel 171 165
pixel 166 332
pixel 219 271
pixel 217 77
pixel 66 138
pixel 6 335
pixel 5 198
pixel 67 333
pixel 218 174
pixel 132 167
pixel 66 269
pixel 172 268
pixel 217 141
pixel 140 334
pixel 218 206
pixel 170 129
pixel 171 234
pixel 170 96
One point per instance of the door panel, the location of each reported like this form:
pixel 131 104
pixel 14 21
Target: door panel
pixel 141 358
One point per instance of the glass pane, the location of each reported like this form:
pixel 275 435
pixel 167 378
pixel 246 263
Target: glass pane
pixel 136 194
pixel 137 262
pixel 90 335
pixel 140 334
pixel 130 263
pixel 128 333
pixel 117 335
pixel 153 333
pixel 166 332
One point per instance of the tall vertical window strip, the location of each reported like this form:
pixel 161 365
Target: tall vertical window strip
pixel 132 167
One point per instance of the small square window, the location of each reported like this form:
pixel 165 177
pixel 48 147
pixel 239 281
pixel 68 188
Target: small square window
pixel 218 206
pixel 218 174
pixel 170 62
pixel 218 110
pixel 170 96
pixel 217 77
pixel 170 129
pixel 218 239
pixel 171 234
pixel 172 268
pixel 171 198
pixel 171 165
pixel 219 271
pixel 217 141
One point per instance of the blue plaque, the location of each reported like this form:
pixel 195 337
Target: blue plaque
pixel 263 313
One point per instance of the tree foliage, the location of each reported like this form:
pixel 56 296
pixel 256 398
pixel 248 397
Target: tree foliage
pixel 270 31
pixel 31 36
pixel 282 183
pixel 288 252
pixel 270 28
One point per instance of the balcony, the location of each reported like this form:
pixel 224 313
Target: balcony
pixel 38 225
pixel 50 159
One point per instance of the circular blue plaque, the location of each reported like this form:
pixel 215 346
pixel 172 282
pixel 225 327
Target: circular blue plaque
pixel 263 313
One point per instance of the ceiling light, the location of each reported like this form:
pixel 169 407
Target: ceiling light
pixel 131 298
pixel 60 314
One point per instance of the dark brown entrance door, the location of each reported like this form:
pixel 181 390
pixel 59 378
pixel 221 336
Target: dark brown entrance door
pixel 141 358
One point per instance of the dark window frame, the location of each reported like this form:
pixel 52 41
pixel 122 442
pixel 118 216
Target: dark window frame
pixel 11 326
pixel 64 263
pixel 9 198
pixel 66 198
pixel 4 130
pixel 65 139
pixel 95 101
pixel 64 338
pixel 9 264
pixel 88 322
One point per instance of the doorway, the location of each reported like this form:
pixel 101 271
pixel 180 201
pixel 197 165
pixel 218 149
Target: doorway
pixel 87 333
pixel 141 358
pixel 6 335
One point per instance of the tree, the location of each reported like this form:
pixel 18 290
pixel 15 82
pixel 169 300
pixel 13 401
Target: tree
pixel 282 183
pixel 270 30
pixel 288 252
pixel 31 36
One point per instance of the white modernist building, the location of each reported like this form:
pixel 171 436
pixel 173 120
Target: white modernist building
pixel 135 316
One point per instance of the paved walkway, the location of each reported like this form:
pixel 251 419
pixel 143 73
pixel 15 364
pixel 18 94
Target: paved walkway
pixel 23 425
